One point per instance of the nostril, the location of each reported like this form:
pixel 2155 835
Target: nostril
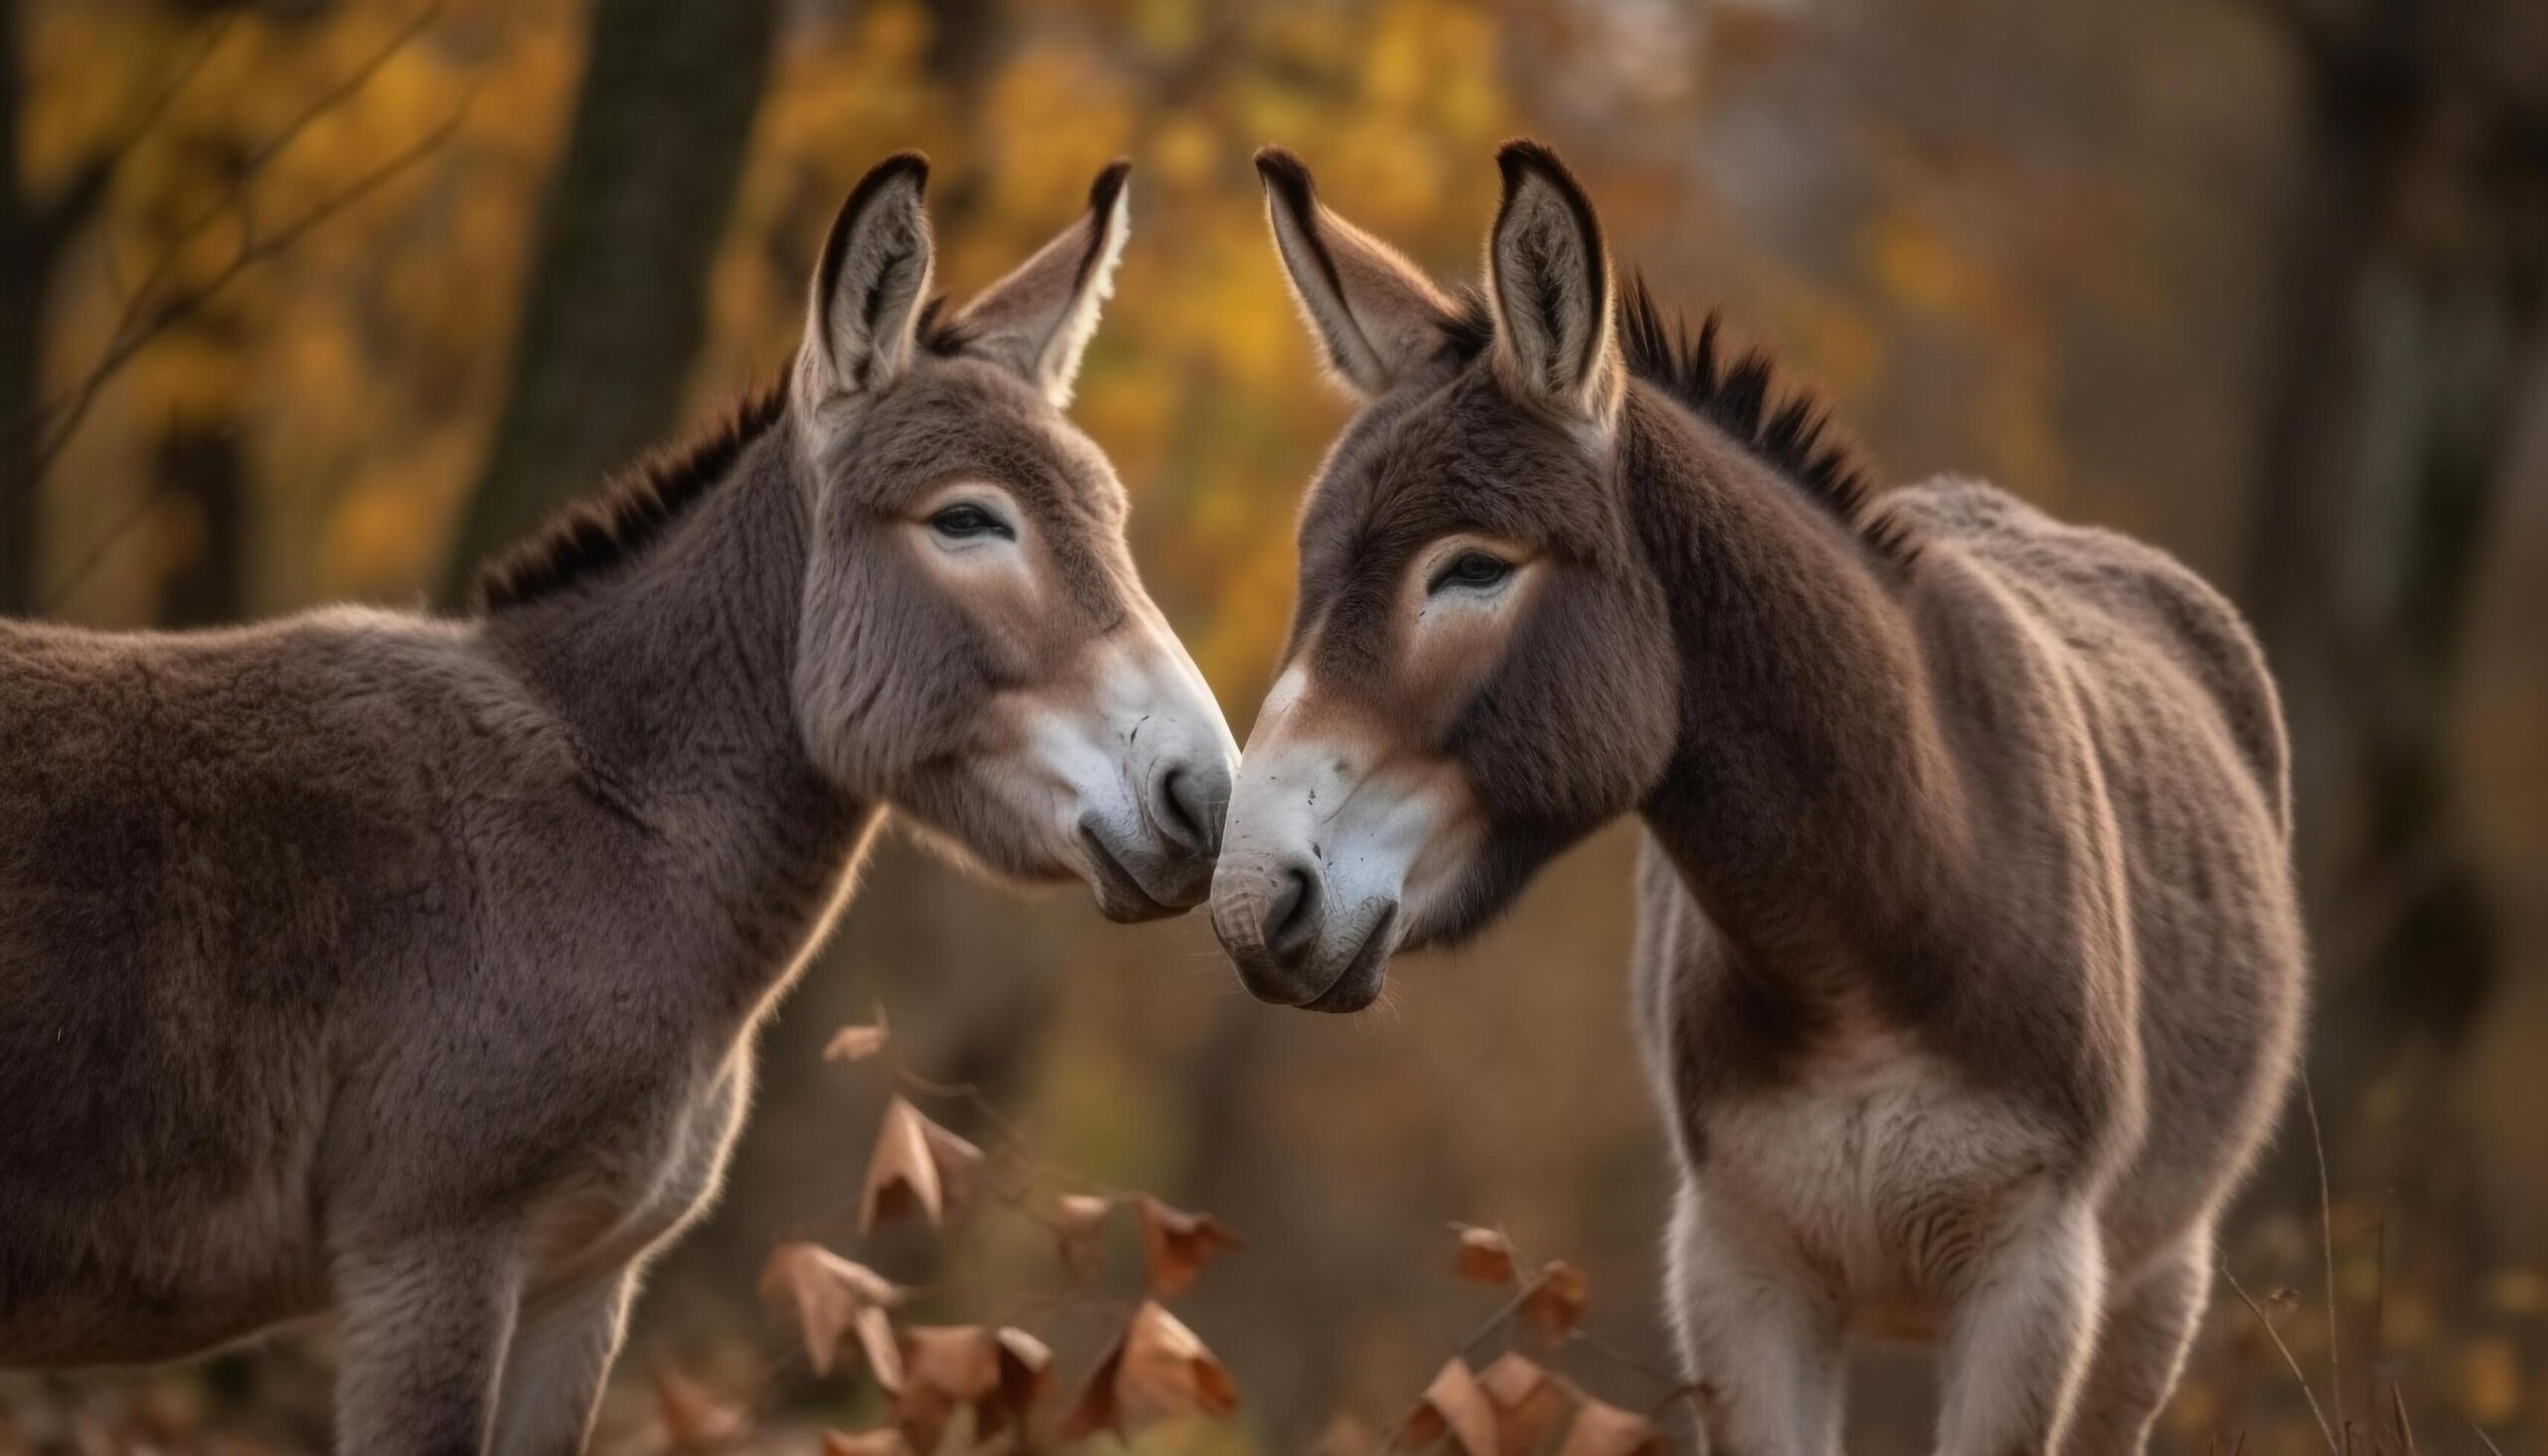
pixel 1187 810
pixel 1292 921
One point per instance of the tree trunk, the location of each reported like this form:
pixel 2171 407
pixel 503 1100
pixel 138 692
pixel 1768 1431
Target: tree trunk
pixel 615 302
pixel 25 249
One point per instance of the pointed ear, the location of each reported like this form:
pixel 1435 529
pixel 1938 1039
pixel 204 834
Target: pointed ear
pixel 1039 319
pixel 862 320
pixel 1378 315
pixel 1548 279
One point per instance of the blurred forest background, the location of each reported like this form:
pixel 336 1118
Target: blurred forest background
pixel 304 300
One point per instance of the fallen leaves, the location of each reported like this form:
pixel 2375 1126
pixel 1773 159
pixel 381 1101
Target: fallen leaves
pixel 999 1376
pixel 857 1043
pixel 1528 1401
pixel 1156 1369
pixel 1175 1245
pixel 1454 1405
pixel 1483 1256
pixel 829 1295
pixel 1556 1298
pixel 918 1166
pixel 695 1420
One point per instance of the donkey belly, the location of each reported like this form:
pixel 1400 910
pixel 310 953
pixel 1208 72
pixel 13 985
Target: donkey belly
pixel 1879 1176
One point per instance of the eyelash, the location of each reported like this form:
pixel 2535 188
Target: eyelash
pixel 966 521
pixel 1497 573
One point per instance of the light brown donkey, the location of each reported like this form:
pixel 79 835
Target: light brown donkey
pixel 408 968
pixel 1969 974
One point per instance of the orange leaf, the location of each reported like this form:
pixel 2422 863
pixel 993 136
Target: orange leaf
pixel 1485 1255
pixel 881 1442
pixel 1528 1401
pixel 1556 1301
pixel 1079 1226
pixel 1157 1368
pixel 1346 1436
pixel 694 1419
pixel 857 1043
pixel 1026 1377
pixel 827 1291
pixel 1607 1430
pixel 1453 1404
pixel 945 1369
pixel 1177 1244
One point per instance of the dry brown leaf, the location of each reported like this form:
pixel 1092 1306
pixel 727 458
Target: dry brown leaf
pixel 960 1167
pixel 881 1442
pixel 1079 1231
pixel 1346 1436
pixel 1026 1377
pixel 945 1369
pixel 1157 1368
pixel 876 1340
pixel 1484 1256
pixel 695 1419
pixel 827 1292
pixel 1176 1245
pixel 1453 1405
pixel 1607 1430
pixel 901 1174
pixel 1556 1298
pixel 1528 1401
pixel 857 1043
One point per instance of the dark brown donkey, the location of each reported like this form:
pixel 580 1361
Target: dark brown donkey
pixel 1969 974
pixel 408 968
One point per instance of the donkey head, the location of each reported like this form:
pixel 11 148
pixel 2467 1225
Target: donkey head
pixel 978 650
pixel 1481 669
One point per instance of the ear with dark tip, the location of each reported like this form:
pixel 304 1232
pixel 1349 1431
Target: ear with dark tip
pixel 863 316
pixel 1377 313
pixel 1039 319
pixel 1548 279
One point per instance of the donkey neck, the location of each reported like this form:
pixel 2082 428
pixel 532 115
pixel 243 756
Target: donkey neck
pixel 1810 799
pixel 672 672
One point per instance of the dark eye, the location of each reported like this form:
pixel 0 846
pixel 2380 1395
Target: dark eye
pixel 1473 570
pixel 961 520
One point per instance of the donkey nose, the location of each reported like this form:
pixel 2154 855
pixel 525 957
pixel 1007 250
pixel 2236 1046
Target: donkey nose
pixel 1299 908
pixel 1189 803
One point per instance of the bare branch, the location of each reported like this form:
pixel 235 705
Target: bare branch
pixel 2276 1335
pixel 253 250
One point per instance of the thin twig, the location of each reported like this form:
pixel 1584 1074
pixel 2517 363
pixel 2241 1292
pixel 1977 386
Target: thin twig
pixel 183 306
pixel 140 322
pixel 2406 1428
pixel 2276 1335
pixel 2489 1440
pixel 2327 1247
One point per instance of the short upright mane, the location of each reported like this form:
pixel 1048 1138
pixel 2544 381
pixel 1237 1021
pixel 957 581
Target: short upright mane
pixel 592 535
pixel 1794 437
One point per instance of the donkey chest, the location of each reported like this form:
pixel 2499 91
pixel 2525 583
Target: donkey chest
pixel 1875 1165
pixel 645 1179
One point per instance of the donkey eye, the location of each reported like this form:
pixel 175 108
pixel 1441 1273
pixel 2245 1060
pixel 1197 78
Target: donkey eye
pixel 1476 570
pixel 961 520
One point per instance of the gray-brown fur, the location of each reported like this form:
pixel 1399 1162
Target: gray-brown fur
pixel 407 969
pixel 1969 970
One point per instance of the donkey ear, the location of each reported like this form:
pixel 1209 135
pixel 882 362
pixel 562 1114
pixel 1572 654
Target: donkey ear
pixel 1549 277
pixel 1375 313
pixel 1039 319
pixel 863 316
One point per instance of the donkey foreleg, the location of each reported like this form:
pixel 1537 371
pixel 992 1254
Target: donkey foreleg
pixel 2019 1342
pixel 561 1356
pixel 2142 1348
pixel 1763 1348
pixel 426 1322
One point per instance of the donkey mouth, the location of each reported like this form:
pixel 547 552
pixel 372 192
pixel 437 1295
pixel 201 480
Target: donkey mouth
pixel 1358 984
pixel 1120 897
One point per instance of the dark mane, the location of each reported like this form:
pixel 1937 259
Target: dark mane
pixel 592 535
pixel 1794 436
